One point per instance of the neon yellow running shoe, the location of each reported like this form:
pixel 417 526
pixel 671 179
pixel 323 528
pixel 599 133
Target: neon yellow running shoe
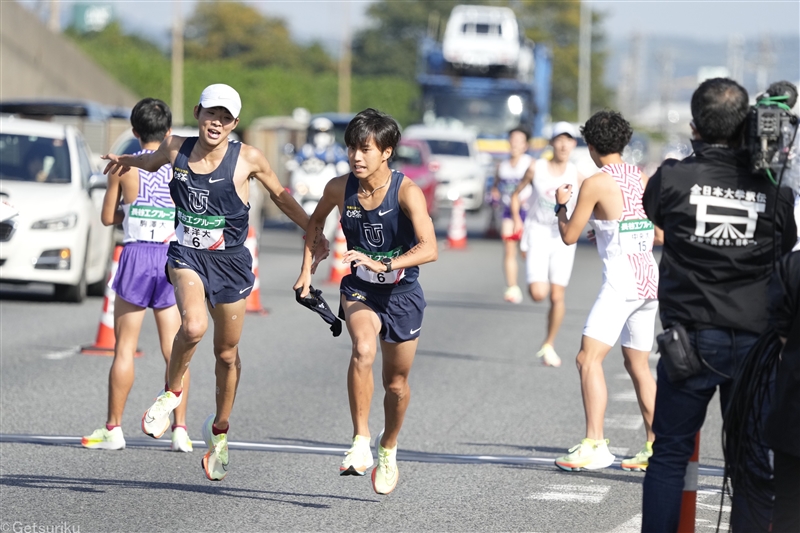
pixel 103 439
pixel 590 454
pixel 385 475
pixel 358 459
pixel 180 440
pixel 155 421
pixel 215 461
pixel 639 462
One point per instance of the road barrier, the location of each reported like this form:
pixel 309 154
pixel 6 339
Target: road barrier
pixel 457 230
pixel 253 302
pixel 689 500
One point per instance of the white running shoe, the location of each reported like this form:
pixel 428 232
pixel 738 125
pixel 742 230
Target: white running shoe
pixel 103 439
pixel 513 294
pixel 358 459
pixel 548 356
pixel 181 441
pixel 215 462
pixel 588 455
pixel 386 474
pixel 155 421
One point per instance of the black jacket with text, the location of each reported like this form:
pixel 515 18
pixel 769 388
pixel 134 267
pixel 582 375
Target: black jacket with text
pixel 720 222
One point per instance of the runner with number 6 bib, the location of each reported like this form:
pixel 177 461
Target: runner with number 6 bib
pixel 626 307
pixel 389 234
pixel 208 263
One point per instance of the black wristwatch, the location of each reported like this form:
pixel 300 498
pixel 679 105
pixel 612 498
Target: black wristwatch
pixel 387 262
pixel 559 206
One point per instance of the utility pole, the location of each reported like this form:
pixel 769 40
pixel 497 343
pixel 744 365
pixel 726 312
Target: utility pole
pixel 177 64
pixel 54 24
pixel 345 66
pixel 585 63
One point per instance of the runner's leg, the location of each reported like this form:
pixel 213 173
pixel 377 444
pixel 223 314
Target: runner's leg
pixel 397 360
pixel 638 366
pixel 168 323
pixel 510 267
pixel 364 325
pixel 190 297
pixel 556 314
pixel 128 320
pixel 228 322
pixel 539 290
pixel 593 384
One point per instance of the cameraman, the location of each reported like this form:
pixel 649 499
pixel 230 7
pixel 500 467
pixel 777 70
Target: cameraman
pixel 720 222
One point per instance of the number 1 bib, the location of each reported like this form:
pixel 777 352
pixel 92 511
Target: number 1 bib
pixel 151 224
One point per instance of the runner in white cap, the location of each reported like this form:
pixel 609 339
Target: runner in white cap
pixel 208 263
pixel 548 260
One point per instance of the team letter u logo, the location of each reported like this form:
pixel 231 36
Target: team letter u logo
pixel 198 199
pixel 374 234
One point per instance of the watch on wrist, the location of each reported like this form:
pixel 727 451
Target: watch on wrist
pixel 559 206
pixel 387 262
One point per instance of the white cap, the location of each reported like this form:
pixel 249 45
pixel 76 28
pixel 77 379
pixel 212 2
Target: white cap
pixel 221 95
pixel 564 128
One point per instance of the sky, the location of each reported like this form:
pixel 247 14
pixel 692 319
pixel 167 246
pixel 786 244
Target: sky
pixel 324 20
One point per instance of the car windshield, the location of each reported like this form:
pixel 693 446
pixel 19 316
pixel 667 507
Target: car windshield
pixel 31 158
pixel 490 115
pixel 408 155
pixel 440 147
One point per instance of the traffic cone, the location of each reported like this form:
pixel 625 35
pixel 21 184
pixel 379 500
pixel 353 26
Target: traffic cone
pixel 253 302
pixel 689 499
pixel 106 340
pixel 457 230
pixel 338 268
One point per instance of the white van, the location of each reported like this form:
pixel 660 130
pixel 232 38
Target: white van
pixel 482 37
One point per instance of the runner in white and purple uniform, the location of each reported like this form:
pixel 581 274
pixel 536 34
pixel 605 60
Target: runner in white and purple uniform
pixel 141 202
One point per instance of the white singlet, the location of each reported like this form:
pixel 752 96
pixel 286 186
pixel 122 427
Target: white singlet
pixel 509 178
pixel 626 306
pixel 548 259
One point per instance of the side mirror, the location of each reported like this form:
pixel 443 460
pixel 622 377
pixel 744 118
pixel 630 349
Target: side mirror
pixel 97 182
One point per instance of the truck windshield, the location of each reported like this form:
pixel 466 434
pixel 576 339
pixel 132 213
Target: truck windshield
pixel 31 158
pixel 490 115
pixel 440 147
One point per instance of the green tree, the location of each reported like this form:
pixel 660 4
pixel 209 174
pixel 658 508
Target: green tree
pixel 389 46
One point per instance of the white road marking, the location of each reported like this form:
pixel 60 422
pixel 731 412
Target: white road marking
pixel 63 354
pixel 634 525
pixel 624 421
pixel 627 396
pixel 572 493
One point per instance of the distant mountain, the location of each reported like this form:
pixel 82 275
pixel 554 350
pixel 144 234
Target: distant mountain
pixel 668 67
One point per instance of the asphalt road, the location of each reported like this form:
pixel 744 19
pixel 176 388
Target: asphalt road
pixel 476 452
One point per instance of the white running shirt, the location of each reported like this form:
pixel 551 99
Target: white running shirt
pixel 543 199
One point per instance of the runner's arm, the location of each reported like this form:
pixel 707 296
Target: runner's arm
pixel 413 204
pixel 150 161
pixel 332 196
pixel 516 205
pixel 111 213
pixel 262 171
pixel 571 227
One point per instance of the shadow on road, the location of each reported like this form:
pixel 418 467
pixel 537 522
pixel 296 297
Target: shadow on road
pixel 101 486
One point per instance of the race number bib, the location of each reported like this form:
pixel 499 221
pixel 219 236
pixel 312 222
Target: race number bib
pixel 202 232
pixel 151 224
pixel 636 236
pixel 382 278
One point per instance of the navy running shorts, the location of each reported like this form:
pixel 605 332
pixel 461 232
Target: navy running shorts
pixel 227 275
pixel 400 309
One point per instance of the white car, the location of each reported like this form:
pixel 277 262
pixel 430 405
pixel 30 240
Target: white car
pixel 481 37
pixel 57 237
pixel 462 168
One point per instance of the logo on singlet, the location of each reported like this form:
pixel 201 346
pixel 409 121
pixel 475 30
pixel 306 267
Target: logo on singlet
pixel 198 199
pixel 181 174
pixel 353 211
pixel 374 234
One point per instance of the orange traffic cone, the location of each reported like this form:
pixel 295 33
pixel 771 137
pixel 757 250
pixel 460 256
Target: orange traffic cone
pixel 253 302
pixel 338 268
pixel 457 231
pixel 689 500
pixel 106 340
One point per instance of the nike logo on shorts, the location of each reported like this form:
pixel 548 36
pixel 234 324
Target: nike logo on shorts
pixel 381 213
pixel 242 291
pixel 415 330
pixel 216 180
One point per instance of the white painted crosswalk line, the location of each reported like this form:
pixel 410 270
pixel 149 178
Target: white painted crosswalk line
pixel 571 493
pixel 634 525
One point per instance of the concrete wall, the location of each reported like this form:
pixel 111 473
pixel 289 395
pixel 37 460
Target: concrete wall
pixel 36 63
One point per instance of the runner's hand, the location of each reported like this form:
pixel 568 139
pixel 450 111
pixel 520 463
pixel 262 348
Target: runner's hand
pixel 563 194
pixel 518 225
pixel 303 281
pixel 359 258
pixel 114 164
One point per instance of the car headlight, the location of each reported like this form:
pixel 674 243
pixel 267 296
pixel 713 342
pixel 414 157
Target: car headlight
pixel 63 222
